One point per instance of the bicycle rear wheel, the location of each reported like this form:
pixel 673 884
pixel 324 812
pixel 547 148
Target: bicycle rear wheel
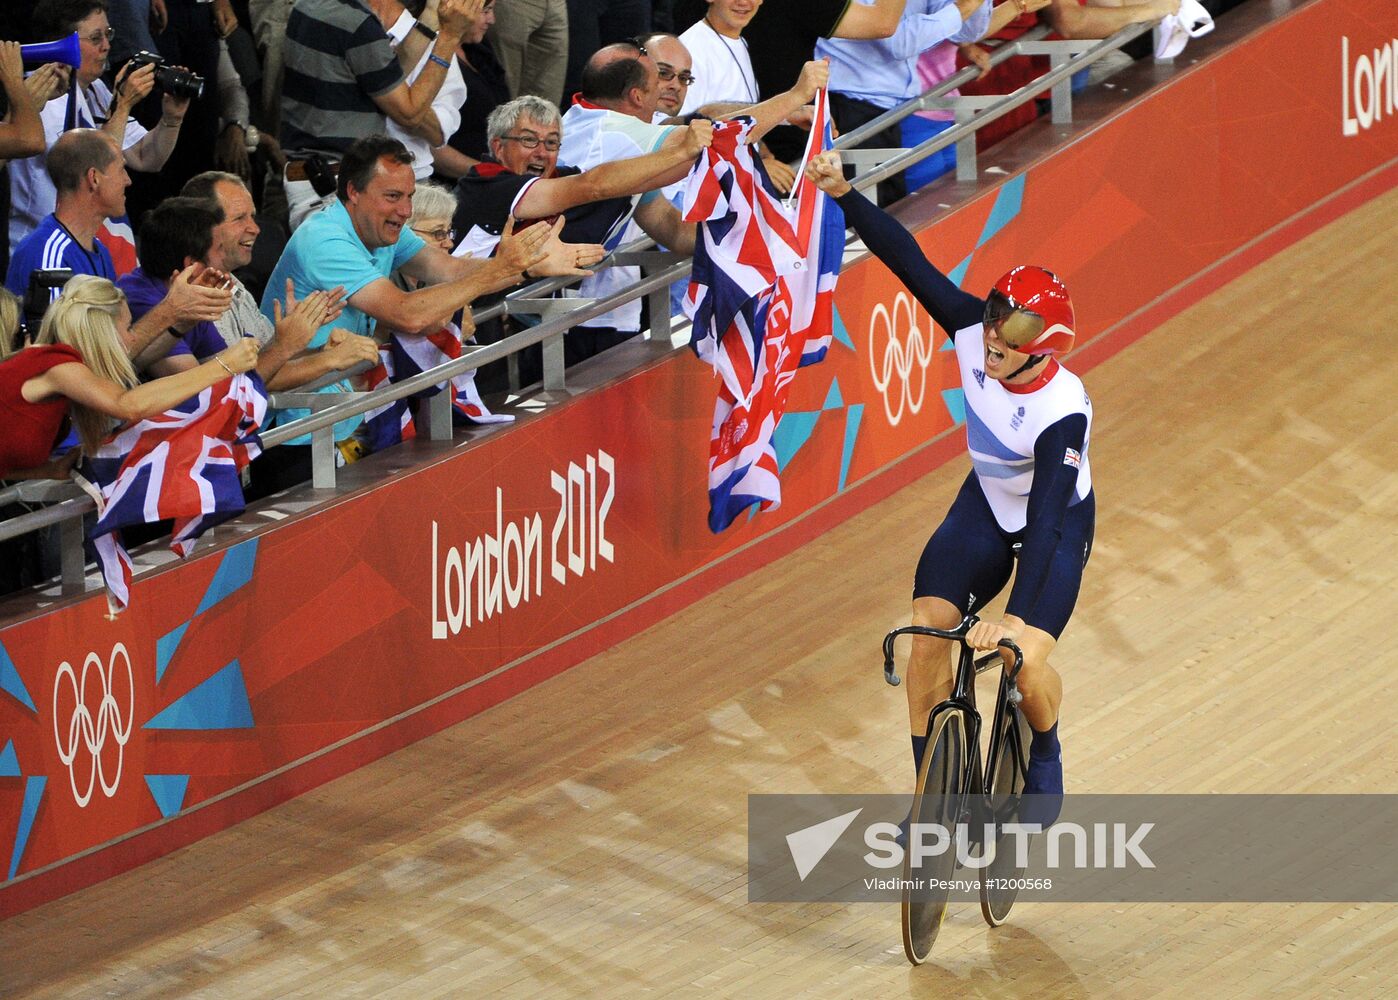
pixel 941 790
pixel 1009 760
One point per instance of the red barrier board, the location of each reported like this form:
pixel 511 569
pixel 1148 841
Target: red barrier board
pixel 253 672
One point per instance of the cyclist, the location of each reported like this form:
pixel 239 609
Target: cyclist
pixel 1029 494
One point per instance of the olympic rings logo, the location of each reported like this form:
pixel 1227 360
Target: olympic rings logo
pixel 89 729
pixel 900 372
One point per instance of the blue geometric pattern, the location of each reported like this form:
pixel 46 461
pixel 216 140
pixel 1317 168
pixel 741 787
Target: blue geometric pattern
pixel 980 438
pixel 168 791
pixel 221 702
pixel 797 426
pixel 235 571
pixel 955 402
pixel 791 435
pixel 165 648
pixel 10 682
pixel 1007 205
pixel 993 470
pixel 839 332
pixel 853 416
pixel 958 273
pixel 33 795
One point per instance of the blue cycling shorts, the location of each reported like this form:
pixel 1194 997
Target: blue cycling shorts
pixel 969 558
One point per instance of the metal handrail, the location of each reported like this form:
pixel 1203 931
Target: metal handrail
pixel 1083 54
pixel 1026 93
pixel 470 359
pixel 967 74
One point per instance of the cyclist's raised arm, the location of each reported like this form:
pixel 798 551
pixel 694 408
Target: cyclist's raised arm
pixel 951 308
pixel 1055 481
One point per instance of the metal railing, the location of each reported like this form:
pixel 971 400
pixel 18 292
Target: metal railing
pixel 559 314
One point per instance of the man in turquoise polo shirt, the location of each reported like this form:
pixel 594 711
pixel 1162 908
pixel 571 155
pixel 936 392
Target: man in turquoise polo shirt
pixel 355 244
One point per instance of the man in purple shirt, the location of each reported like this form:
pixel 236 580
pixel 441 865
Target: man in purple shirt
pixel 173 236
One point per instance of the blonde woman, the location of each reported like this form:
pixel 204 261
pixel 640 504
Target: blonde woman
pixel 79 368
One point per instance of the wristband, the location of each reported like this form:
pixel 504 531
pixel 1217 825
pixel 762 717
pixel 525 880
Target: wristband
pixel 174 333
pixel 433 57
pixel 423 29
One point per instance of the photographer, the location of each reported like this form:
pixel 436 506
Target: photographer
pixel 96 107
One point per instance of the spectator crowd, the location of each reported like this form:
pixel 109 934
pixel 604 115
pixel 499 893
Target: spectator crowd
pixel 208 187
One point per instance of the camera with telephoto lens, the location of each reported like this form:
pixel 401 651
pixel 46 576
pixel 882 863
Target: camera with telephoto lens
pixel 44 284
pixel 177 82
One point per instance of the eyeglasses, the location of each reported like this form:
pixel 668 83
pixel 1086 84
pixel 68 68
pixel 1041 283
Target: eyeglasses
pixel 667 72
pixel 98 37
pixel 532 142
pixel 436 235
pixel 636 44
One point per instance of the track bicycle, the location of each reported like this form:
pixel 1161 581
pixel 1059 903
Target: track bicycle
pixel 953 789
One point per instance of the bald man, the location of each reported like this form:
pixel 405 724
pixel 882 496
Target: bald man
pixel 611 119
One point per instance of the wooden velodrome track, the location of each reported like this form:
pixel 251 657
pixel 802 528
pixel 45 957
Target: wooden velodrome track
pixel 588 837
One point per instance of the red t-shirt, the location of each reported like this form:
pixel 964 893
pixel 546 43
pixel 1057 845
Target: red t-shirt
pixel 31 430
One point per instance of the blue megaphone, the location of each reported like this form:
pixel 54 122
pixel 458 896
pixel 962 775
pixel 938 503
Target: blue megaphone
pixel 65 50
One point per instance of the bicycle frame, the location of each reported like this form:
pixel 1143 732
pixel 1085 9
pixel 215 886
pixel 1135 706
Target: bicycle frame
pixel 963 695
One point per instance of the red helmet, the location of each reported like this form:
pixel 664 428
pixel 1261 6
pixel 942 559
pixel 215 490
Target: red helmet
pixel 1030 309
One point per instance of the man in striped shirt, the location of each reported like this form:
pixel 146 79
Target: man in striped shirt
pixel 343 81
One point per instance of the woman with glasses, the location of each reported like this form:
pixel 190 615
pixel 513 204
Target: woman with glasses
pixel 95 106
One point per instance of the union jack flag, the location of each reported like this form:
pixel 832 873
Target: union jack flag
pixel 117 237
pixel 403 357
pixel 761 295
pixel 182 465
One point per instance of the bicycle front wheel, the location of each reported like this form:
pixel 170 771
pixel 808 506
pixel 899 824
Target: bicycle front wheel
pixel 941 790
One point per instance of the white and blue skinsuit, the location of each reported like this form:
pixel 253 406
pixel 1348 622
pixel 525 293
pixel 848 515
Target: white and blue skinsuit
pixel 1030 483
